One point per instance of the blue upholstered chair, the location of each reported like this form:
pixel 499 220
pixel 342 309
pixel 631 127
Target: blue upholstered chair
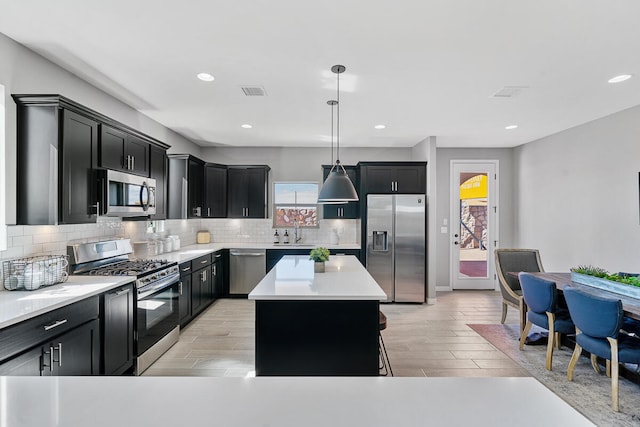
pixel 598 321
pixel 541 298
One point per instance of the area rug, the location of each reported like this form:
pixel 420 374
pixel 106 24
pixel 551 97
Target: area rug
pixel 588 393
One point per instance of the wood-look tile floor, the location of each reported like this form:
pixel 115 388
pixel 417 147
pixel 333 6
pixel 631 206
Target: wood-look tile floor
pixel 421 340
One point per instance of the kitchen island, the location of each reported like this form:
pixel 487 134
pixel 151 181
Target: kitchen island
pixel 317 323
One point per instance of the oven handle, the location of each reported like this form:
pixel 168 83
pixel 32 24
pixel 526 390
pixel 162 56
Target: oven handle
pixel 159 285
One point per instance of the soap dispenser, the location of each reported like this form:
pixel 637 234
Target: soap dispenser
pixel 276 238
pixel 286 236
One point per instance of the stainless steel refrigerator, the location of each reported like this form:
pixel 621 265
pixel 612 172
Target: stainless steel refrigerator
pixel 396 245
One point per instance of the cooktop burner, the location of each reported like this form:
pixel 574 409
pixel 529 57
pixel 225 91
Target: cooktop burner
pixel 130 268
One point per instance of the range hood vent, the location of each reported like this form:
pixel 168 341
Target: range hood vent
pixel 254 91
pixel 509 92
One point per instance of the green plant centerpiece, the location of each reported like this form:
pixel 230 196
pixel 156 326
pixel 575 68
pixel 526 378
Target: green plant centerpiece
pixel 319 256
pixel 597 277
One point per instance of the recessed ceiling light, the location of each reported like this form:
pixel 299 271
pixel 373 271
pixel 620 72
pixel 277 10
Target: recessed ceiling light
pixel 206 77
pixel 511 127
pixel 620 78
pixel 247 126
pixel 380 126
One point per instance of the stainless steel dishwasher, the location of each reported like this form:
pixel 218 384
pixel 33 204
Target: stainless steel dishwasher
pixel 247 268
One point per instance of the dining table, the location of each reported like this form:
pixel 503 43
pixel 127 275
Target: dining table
pixel 630 305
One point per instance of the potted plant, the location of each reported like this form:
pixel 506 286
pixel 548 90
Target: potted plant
pixel 319 256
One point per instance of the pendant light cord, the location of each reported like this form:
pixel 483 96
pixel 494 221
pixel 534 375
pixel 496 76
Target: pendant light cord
pixel 338 123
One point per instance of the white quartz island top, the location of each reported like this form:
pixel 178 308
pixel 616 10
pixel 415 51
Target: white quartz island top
pixel 280 401
pixel 293 278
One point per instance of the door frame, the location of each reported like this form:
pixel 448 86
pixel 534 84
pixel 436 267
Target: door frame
pixel 494 224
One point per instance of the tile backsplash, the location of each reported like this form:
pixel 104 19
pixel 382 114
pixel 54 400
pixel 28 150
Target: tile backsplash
pixel 34 240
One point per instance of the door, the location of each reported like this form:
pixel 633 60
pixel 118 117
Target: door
pixel 474 207
pixel 409 245
pixel 379 257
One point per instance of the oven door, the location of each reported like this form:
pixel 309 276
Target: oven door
pixel 157 312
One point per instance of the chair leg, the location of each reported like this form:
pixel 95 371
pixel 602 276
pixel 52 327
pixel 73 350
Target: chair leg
pixel 608 371
pixel 550 341
pixel 577 351
pixel 558 340
pixel 385 357
pixel 615 402
pixel 523 335
pixel 523 314
pixel 594 363
pixel 504 312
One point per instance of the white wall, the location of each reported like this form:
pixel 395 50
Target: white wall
pixel 577 195
pixel 22 71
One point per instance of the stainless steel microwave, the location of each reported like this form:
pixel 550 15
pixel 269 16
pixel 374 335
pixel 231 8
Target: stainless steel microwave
pixel 127 195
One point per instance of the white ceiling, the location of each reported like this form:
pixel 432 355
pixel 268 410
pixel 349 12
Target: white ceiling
pixel 422 67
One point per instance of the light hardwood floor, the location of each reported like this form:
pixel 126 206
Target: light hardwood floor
pixel 422 340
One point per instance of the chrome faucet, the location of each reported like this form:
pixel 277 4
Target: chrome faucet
pixel 297 233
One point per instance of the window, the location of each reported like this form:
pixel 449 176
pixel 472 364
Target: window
pixel 295 201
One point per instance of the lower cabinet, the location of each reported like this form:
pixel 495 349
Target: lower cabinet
pixel 184 298
pixel 118 308
pixel 202 281
pixel 76 352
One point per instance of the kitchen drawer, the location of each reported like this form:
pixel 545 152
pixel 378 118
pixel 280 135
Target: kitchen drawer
pixel 27 334
pixel 185 268
pixel 201 262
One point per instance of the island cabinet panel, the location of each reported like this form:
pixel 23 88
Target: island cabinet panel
pixel 118 308
pixel 123 152
pixel 334 338
pixel 247 191
pixel 393 177
pixel 349 210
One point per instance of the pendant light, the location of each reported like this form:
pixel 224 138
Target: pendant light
pixel 337 188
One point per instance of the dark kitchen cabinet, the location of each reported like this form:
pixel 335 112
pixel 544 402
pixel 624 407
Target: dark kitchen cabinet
pixel 186 187
pixel 349 210
pixel 56 160
pixel 117 308
pixel 123 152
pixel 185 290
pixel 65 341
pixel 393 177
pixel 217 275
pixel 247 191
pixel 158 168
pixel 201 284
pixel 58 154
pixel 215 191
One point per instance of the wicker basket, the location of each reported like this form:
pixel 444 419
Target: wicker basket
pixel 34 272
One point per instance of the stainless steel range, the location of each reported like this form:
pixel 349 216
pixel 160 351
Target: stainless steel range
pixel 157 281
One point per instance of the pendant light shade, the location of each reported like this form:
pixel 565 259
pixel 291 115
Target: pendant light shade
pixel 337 188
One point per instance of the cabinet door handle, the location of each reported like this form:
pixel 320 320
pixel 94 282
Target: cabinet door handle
pixel 204 261
pixel 133 162
pixel 205 275
pixel 59 348
pixel 208 211
pixel 44 364
pixel 55 324
pixel 180 287
pixel 218 256
pixel 186 269
pixel 214 270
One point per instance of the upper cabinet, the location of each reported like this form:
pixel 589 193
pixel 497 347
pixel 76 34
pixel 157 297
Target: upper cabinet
pixel 123 152
pixel 215 191
pixel 61 145
pixel 186 187
pixel 349 210
pixel 393 177
pixel 57 156
pixel 247 191
pixel 158 170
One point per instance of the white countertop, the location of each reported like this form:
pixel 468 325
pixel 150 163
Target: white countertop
pixel 293 278
pixel 16 306
pixel 282 402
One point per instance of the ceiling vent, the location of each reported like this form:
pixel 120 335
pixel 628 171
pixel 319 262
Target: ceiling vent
pixel 509 92
pixel 254 91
